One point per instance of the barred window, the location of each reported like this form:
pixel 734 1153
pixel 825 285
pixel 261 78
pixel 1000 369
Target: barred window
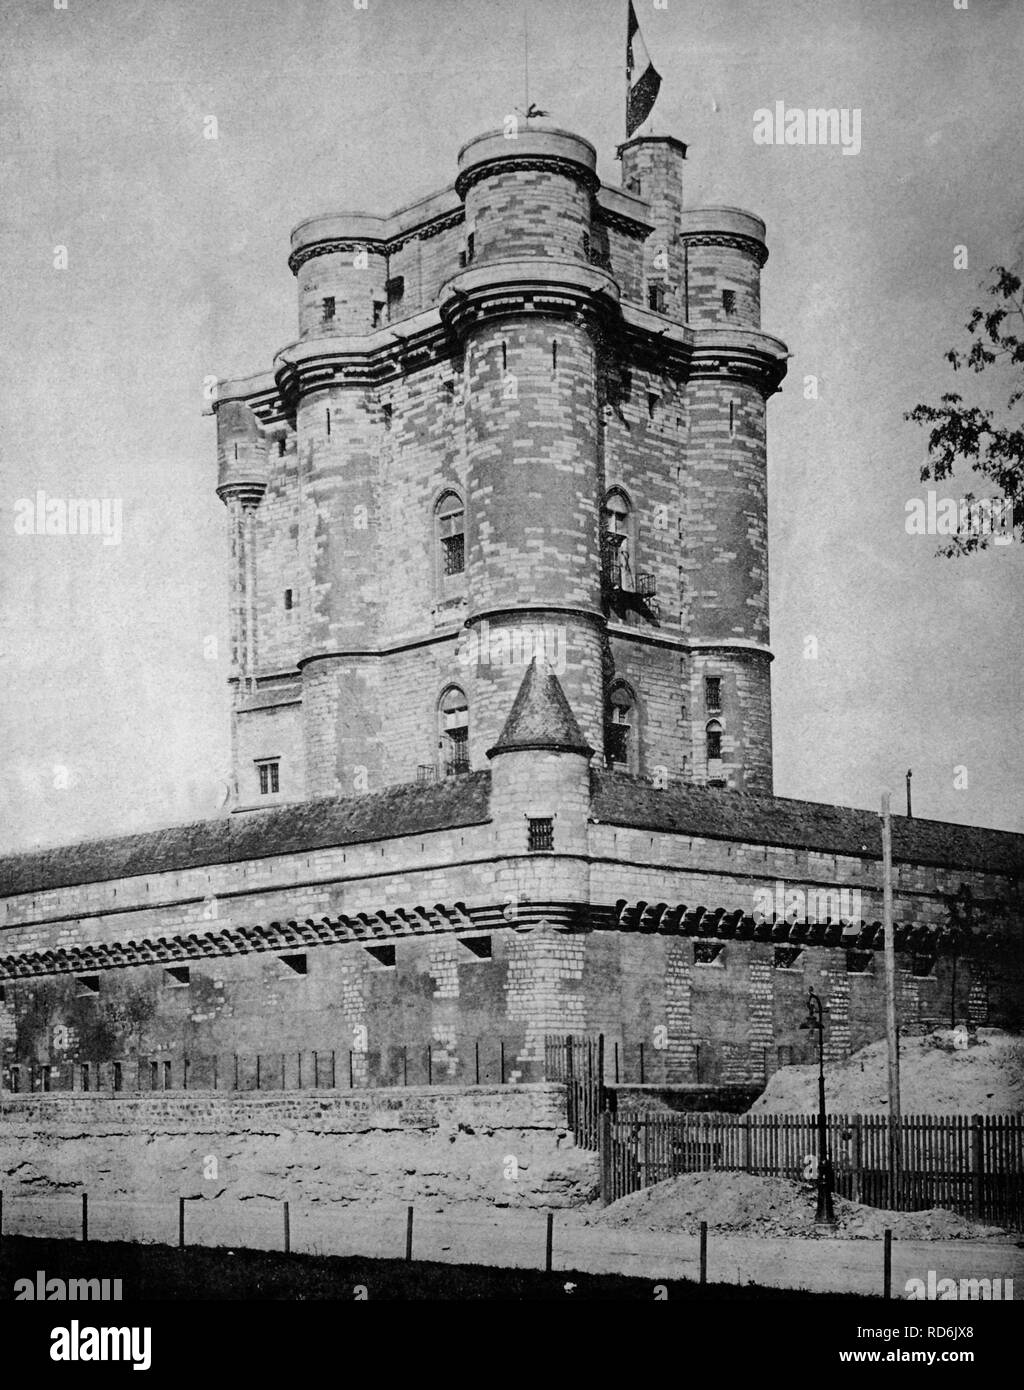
pixel 541 833
pixel 270 777
pixel 619 720
pixel 450 525
pixel 453 719
pixel 713 694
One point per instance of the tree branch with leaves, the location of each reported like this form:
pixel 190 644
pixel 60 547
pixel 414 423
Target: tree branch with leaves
pixel 968 434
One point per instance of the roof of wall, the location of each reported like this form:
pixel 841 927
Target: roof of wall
pixel 774 820
pixel 617 799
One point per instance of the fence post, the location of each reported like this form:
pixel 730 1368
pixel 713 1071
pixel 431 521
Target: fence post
pixel 287 1229
pixel 181 1223
pixel 604 1146
pixel 503 1061
pixel 977 1174
pixel 746 1144
pixel 408 1235
pixel 887 1265
pixel 857 1157
pixel 351 1079
pixel 703 1252
pixel 600 1071
pixel 550 1242
pixel 85 1218
pixel 641 1064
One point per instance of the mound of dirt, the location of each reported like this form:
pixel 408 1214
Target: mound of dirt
pixel 936 1077
pixel 743 1202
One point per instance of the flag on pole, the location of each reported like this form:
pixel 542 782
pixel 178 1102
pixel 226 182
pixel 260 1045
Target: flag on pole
pixel 642 82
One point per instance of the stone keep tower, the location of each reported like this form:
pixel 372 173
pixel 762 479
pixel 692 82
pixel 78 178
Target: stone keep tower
pixel 525 415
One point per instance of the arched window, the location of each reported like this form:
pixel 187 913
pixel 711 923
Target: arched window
pixel 453 732
pixel 618 540
pixel 713 733
pixel 620 728
pixel 450 541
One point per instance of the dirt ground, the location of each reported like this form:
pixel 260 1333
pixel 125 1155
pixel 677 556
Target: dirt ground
pixel 936 1077
pixel 765 1206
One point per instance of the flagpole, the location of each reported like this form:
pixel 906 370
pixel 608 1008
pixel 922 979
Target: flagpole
pixel 625 113
pixel 526 55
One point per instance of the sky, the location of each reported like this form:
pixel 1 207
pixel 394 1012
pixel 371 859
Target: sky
pixel 115 710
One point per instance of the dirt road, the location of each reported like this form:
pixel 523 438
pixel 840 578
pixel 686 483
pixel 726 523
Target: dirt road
pixel 516 1238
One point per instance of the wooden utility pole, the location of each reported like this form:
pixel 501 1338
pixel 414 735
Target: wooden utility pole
pixel 891 1036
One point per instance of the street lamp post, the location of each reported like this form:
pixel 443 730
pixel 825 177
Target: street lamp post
pixel 816 1020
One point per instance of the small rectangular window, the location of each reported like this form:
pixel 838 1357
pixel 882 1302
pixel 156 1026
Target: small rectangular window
pixel 282 447
pixel 858 962
pixel 378 313
pixel 922 965
pixel 118 1077
pixel 387 412
pixel 175 976
pixel 714 746
pixel 85 1076
pixel 269 778
pixel 470 246
pixel 3 994
pixel 383 955
pixel 787 957
pixel 541 833
pixel 478 946
pixel 655 298
pixel 395 291
pixel 708 952
pixel 713 694
pixel 729 301
pixel 328 308
pixel 287 600
pixel 87 985
pixel 295 964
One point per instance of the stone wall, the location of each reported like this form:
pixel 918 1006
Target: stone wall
pixel 506 1147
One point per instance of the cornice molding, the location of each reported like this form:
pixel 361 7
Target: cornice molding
pixel 629 226
pixel 527 164
pixel 388 925
pixel 373 246
pixel 734 240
